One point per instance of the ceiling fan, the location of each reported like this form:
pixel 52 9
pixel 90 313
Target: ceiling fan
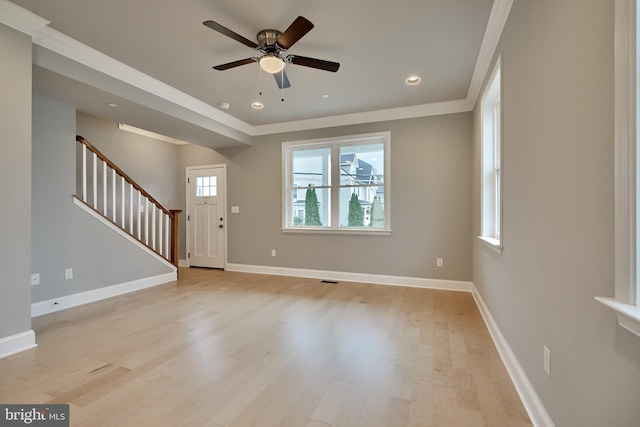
pixel 272 45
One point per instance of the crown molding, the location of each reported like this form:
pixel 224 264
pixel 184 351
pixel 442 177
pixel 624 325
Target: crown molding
pixel 20 19
pixel 497 20
pixel 433 109
pixel 46 37
pixel 68 47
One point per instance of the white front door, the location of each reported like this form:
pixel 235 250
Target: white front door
pixel 206 216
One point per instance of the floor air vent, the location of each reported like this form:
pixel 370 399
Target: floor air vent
pixel 330 281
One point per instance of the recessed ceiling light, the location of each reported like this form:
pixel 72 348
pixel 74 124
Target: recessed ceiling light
pixel 413 80
pixel 112 105
pixel 325 95
pixel 223 105
pixel 257 105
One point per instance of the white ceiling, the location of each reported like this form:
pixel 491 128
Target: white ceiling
pixel 378 44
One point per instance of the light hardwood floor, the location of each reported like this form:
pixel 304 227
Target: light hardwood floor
pixel 219 348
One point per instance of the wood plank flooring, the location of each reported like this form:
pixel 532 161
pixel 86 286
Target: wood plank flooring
pixel 230 349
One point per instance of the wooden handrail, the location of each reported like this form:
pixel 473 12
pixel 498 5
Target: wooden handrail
pixel 173 214
pixel 120 172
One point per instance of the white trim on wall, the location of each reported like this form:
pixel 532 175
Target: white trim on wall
pixel 530 400
pixel 626 300
pixel 81 298
pixel 376 279
pixel 497 20
pixel 16 343
pixel 20 19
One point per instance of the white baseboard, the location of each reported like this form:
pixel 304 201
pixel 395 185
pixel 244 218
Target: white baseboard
pixel 74 300
pixel 183 263
pixel 530 400
pixel 415 282
pixel 17 343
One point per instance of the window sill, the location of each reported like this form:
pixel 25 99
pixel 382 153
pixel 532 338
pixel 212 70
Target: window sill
pixel 494 244
pixel 345 231
pixel 628 315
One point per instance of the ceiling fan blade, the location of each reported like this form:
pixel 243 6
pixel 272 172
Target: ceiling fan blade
pixel 234 64
pixel 282 80
pixel 320 64
pixel 227 32
pixel 295 32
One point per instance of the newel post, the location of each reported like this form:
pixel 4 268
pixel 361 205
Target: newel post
pixel 175 237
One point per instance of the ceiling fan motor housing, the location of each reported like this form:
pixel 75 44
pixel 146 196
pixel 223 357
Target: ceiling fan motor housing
pixel 272 44
pixel 267 38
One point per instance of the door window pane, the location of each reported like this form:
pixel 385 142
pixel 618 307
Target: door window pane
pixel 206 186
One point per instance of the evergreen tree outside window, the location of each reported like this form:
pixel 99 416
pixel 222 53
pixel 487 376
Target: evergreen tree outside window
pixel 377 213
pixel 356 213
pixel 347 176
pixel 311 212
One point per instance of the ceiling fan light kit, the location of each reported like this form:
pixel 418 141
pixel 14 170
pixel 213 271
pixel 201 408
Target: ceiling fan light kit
pixel 271 64
pixel 272 44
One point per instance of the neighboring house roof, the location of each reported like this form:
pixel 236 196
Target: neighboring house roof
pixel 359 170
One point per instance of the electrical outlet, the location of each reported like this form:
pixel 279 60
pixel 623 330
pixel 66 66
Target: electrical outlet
pixel 439 262
pixel 546 360
pixel 68 273
pixel 35 279
pixel 273 252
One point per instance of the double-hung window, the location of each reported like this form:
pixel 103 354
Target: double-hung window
pixel 491 193
pixel 626 301
pixel 337 184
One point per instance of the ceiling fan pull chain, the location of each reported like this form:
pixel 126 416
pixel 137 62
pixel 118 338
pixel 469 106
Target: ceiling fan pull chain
pixel 260 78
pixel 282 86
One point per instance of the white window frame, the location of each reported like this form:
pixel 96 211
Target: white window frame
pixel 335 143
pixel 491 163
pixel 626 301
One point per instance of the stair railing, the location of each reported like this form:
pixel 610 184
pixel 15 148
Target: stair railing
pixel 110 192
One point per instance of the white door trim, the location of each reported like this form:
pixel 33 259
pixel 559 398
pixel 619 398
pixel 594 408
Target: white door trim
pixel 224 203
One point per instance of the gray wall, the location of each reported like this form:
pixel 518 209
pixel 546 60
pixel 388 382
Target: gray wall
pixel 63 235
pixel 558 150
pixel 431 161
pixel 150 162
pixel 15 182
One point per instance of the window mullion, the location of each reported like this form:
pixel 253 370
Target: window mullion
pixel 335 184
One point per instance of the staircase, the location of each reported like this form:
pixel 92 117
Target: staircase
pixel 112 194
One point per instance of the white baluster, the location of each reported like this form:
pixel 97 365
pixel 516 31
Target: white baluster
pixel 160 218
pixel 131 209
pixel 84 173
pixel 122 205
pixel 146 220
pixel 167 234
pixel 113 196
pixel 95 181
pixel 153 226
pixel 104 188
pixel 138 210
